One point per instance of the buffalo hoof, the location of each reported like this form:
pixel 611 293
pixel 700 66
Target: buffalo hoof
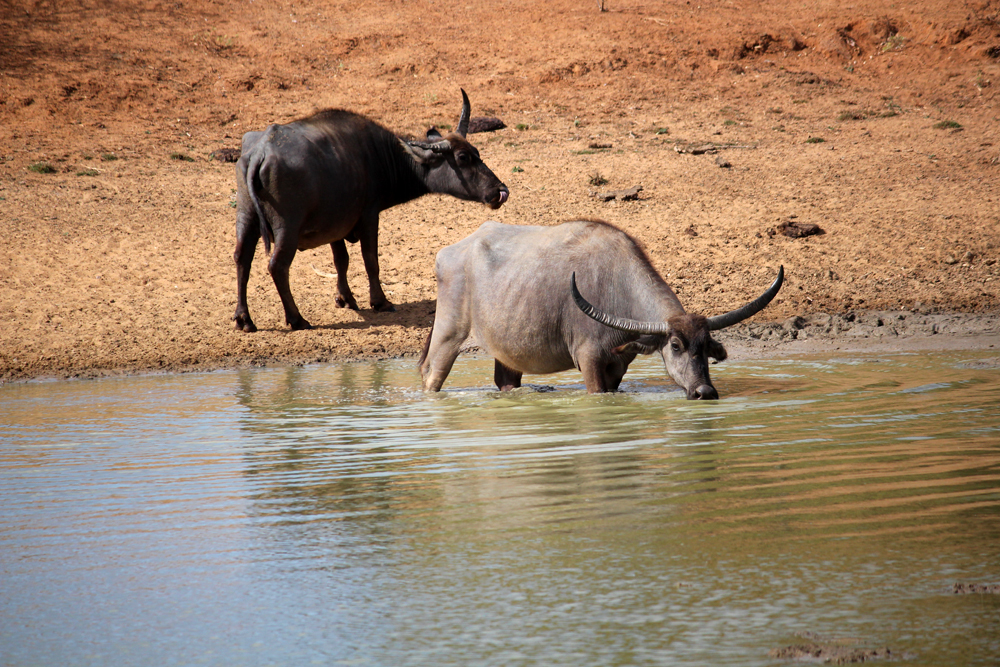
pixel 300 324
pixel 244 323
pixel 341 302
pixel 384 307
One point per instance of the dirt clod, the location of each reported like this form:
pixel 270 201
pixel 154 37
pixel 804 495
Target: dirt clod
pixel 225 154
pixel 796 230
pixel 622 195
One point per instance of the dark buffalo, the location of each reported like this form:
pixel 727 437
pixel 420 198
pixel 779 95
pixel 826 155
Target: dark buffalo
pixel 325 179
pixel 516 289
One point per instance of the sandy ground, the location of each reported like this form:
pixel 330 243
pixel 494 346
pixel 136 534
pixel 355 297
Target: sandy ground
pixel 876 122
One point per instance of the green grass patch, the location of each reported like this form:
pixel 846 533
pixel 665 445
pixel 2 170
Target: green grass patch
pixel 87 172
pixel 516 170
pixel 894 43
pixel 181 156
pixel 522 127
pixel 815 140
pixel 42 168
pixel 947 125
pixel 108 157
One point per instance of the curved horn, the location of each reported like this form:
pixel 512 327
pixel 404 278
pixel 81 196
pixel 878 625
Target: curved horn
pixel 750 309
pixel 435 147
pixel 463 120
pixel 621 323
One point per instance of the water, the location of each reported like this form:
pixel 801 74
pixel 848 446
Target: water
pixel 335 515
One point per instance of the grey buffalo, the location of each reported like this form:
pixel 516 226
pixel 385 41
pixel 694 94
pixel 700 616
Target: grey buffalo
pixel 325 179
pixel 580 295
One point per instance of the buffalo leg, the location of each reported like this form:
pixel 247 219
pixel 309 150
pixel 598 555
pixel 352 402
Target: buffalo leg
pixel 368 235
pixel 613 376
pixel 281 262
pixel 504 377
pixel 594 376
pixel 447 336
pixel 345 298
pixel 247 235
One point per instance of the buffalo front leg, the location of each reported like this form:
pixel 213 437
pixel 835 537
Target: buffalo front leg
pixel 247 235
pixel 505 378
pixel 443 345
pixel 345 298
pixel 594 375
pixel 281 262
pixel 368 235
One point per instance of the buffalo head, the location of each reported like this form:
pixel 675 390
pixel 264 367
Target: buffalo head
pixel 684 341
pixel 451 165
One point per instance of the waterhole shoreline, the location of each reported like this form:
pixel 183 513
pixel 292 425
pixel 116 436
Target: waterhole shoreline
pixel 860 331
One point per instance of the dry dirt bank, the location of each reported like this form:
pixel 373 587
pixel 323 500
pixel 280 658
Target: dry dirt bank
pixel 879 124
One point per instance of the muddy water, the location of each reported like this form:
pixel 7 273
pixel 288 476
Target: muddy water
pixel 335 515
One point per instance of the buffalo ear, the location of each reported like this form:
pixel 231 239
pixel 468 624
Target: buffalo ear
pixel 643 345
pixel 715 350
pixel 433 134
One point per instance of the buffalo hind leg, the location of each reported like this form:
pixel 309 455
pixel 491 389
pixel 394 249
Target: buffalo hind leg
pixel 345 298
pixel 247 235
pixel 281 262
pixel 367 231
pixel 505 378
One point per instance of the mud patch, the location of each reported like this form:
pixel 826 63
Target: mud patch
pixel 981 589
pixel 834 655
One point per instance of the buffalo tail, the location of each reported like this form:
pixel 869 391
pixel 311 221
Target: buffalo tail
pixel 253 177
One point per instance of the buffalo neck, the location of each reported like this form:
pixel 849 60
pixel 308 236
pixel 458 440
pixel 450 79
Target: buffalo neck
pixel 404 177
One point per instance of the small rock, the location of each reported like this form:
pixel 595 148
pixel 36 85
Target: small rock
pixel 723 162
pixel 950 259
pixel 485 124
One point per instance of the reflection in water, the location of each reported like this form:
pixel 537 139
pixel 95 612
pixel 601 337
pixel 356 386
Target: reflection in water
pixel 337 514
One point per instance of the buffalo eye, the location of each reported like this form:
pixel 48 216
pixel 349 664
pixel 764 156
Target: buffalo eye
pixel 675 345
pixel 462 158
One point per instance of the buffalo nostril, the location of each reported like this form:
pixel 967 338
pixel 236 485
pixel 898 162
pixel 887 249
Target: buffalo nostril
pixel 705 392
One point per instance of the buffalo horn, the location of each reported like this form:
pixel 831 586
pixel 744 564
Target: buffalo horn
pixel 442 146
pixel 750 309
pixel 463 120
pixel 622 323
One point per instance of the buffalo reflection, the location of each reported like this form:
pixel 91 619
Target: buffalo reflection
pixel 361 442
